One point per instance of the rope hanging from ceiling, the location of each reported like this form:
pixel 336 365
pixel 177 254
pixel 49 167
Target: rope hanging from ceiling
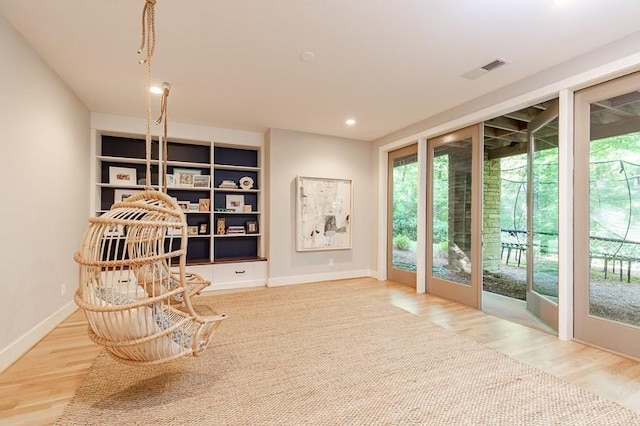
pixel 148 41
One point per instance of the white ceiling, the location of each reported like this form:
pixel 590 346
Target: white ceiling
pixel 235 63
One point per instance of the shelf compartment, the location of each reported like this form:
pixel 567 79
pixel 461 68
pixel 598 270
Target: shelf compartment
pixel 236 247
pixel 234 156
pixel 188 154
pixel 131 148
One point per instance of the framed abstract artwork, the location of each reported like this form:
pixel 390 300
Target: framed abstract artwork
pixel 323 213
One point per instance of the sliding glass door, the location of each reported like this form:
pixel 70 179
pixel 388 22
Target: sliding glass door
pixel 607 215
pixel 454 216
pixel 402 214
pixel 542 225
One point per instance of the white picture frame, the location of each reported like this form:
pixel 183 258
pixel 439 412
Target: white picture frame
pixel 184 180
pixel 201 181
pixel 323 213
pixel 123 176
pixel 171 180
pixel 184 177
pixel 235 203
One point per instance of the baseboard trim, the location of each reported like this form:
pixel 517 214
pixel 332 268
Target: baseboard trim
pixel 21 346
pixel 304 279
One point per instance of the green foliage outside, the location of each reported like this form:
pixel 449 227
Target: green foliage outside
pixel 441 199
pixel 401 242
pixel 405 201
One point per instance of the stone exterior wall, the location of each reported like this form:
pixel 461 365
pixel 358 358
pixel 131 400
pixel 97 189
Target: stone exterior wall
pixel 460 211
pixel 491 244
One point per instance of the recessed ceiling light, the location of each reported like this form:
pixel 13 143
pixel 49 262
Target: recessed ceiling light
pixel 155 89
pixel 350 122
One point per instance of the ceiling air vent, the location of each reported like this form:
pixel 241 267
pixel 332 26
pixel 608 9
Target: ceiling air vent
pixel 494 64
pixel 479 72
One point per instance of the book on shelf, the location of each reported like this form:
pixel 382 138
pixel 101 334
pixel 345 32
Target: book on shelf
pixel 228 184
pixel 236 230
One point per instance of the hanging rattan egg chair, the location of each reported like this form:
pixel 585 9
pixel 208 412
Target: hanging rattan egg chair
pixel 132 277
pixel 133 286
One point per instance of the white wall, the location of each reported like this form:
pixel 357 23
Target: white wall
pixel 44 168
pixel 292 154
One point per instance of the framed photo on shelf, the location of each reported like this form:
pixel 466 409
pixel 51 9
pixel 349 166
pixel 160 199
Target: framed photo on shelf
pixel 124 176
pixel 251 227
pixel 235 203
pixel 247 208
pixel 184 205
pixel 203 228
pixel 192 230
pixel 184 180
pixel 221 226
pixel 171 180
pixel 204 204
pixel 246 182
pixel 201 181
pixel 123 194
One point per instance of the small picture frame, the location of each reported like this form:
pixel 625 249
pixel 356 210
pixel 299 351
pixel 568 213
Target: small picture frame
pixel 192 230
pixel 201 181
pixel 221 226
pixel 203 228
pixel 246 182
pixel 247 208
pixel 171 181
pixel 235 203
pixel 184 180
pixel 123 176
pixel 194 207
pixel 251 227
pixel 184 205
pixel 204 204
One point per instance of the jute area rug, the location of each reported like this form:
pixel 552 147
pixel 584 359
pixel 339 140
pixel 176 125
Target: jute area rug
pixel 326 354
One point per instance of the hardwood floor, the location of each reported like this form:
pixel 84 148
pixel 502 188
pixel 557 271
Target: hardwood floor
pixel 35 389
